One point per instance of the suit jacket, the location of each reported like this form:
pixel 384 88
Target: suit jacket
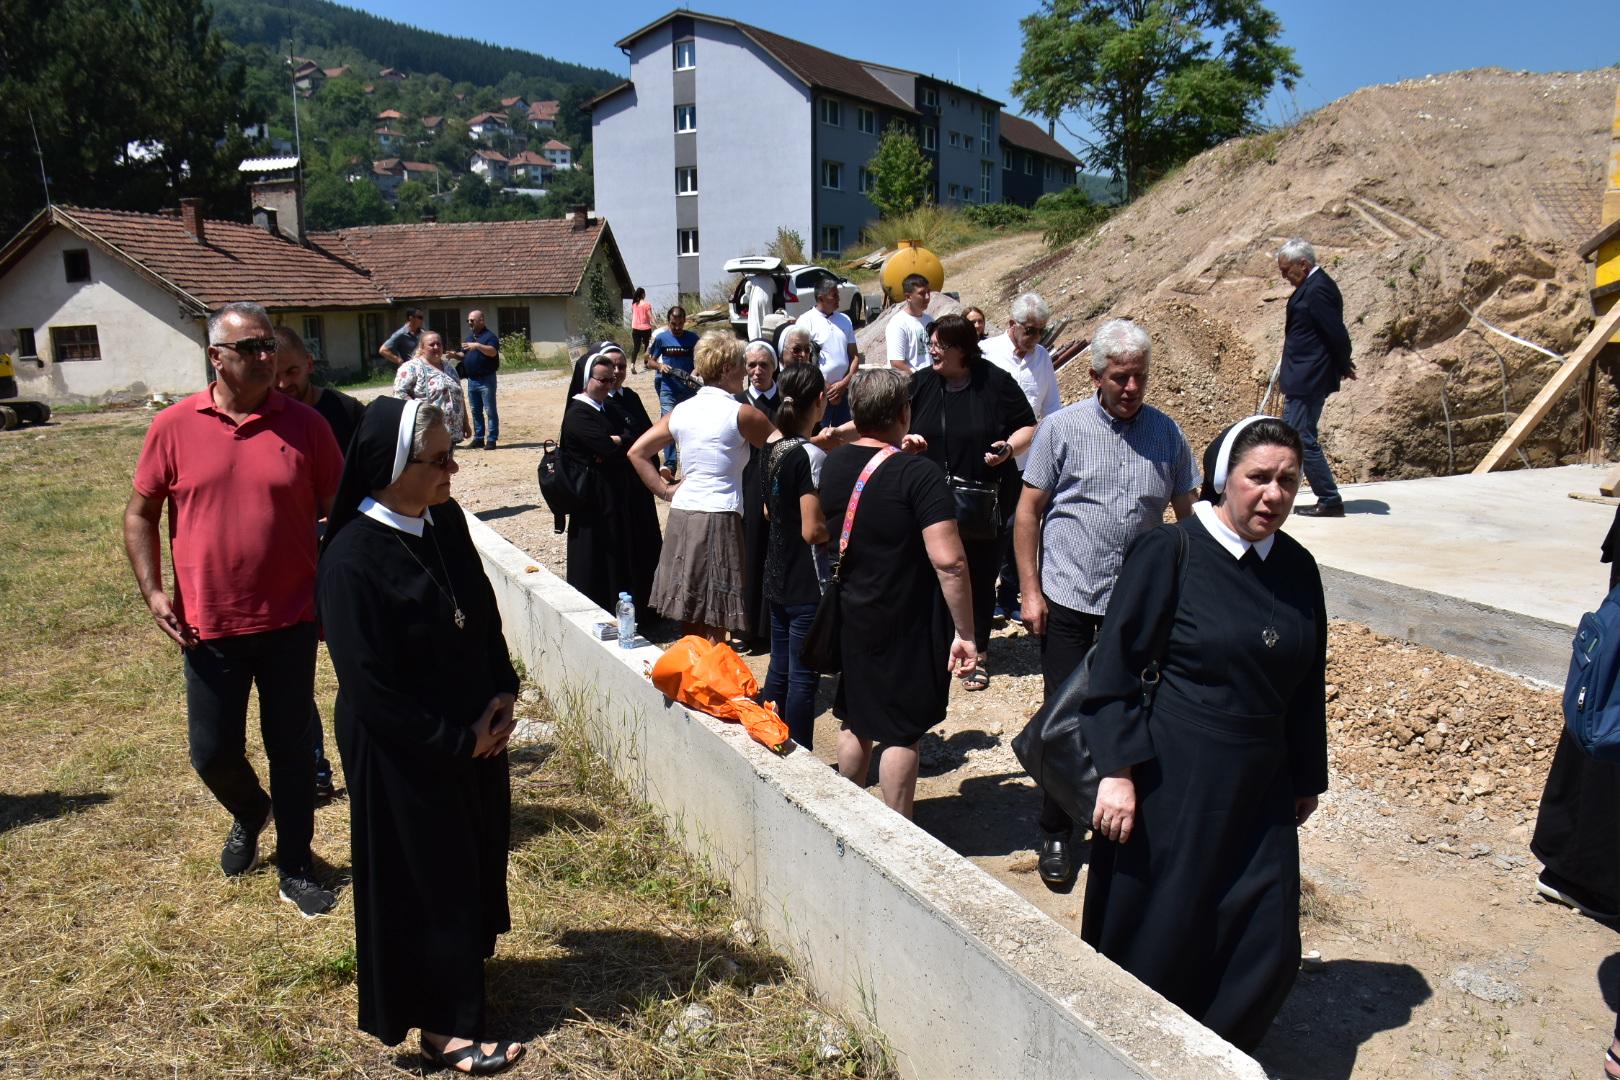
pixel 1316 345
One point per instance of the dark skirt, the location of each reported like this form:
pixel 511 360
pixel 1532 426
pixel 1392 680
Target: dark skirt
pixel 1577 834
pixel 1202 903
pixel 895 684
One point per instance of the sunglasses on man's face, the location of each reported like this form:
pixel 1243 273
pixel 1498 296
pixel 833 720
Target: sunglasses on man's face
pixel 249 346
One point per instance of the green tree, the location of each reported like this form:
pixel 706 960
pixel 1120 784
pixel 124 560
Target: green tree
pixel 900 173
pixel 1157 80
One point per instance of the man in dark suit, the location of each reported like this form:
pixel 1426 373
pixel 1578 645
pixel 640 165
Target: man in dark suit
pixel 1316 355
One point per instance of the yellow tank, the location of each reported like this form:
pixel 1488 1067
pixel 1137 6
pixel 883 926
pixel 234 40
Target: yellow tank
pixel 911 258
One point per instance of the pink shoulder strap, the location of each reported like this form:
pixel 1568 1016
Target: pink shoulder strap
pixel 855 497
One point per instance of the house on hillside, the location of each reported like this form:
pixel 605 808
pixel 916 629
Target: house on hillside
pixel 1033 163
pixel 387 174
pixel 432 124
pixel 335 72
pixel 307 75
pixel 392 75
pixel 423 172
pixel 543 115
pixel 490 165
pixel 828 112
pixel 528 168
pixel 114 304
pixel 391 141
pixel 514 105
pixel 559 153
pixel 487 125
pixel 388 116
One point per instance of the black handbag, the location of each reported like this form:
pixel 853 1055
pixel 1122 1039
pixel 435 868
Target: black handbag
pixel 565 483
pixel 1052 748
pixel 978 509
pixel 820 651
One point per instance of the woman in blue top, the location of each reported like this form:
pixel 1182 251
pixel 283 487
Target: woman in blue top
pixel 673 352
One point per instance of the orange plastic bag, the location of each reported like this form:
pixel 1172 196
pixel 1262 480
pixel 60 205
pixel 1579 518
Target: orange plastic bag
pixel 713 679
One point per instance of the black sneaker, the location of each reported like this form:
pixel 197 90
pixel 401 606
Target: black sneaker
pixel 310 899
pixel 241 851
pixel 323 779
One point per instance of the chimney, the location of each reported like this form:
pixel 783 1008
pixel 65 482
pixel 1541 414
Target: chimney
pixel 265 218
pixel 191 216
pixel 284 198
pixel 579 217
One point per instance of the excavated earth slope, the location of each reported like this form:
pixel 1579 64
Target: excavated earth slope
pixel 1470 188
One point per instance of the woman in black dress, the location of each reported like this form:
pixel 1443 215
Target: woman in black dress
pixel 642 540
pixel 907 614
pixel 970 418
pixel 759 360
pixel 597 562
pixel 424 710
pixel 1194 879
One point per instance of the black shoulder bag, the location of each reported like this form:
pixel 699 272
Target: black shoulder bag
pixel 565 483
pixel 978 513
pixel 820 651
pixel 1051 747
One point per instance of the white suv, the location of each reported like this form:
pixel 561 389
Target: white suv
pixel 795 294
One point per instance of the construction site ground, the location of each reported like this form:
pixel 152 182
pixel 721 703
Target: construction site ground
pixel 1438 959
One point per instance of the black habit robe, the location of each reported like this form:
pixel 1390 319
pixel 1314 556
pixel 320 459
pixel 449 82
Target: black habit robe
pixel 1202 902
pixel 430 824
pixel 756 529
pixel 641 538
pixel 613 546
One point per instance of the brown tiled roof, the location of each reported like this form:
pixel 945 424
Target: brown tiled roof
pixel 490 155
pixel 508 102
pixel 237 262
pixel 528 157
pixel 544 110
pixel 336 73
pixel 385 165
pixel 390 114
pixel 475 259
pixel 1027 136
pixel 419 166
pixel 481 117
pixel 432 121
pixel 555 144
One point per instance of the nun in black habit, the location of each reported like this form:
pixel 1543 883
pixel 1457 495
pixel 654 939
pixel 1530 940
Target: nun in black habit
pixel 641 537
pixel 424 710
pixel 598 561
pixel 1194 878
pixel 760 391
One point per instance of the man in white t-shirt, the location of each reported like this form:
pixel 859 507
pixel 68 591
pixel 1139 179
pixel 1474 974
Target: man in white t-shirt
pixel 761 296
pixel 834 338
pixel 906 337
pixel 1019 353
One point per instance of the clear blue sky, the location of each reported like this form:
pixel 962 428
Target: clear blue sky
pixel 1341 46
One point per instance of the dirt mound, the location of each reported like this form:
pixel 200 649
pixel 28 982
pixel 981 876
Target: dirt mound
pixel 1471 188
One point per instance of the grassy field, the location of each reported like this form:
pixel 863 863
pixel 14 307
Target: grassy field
pixel 125 951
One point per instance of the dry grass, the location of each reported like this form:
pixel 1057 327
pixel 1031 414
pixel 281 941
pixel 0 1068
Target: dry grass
pixel 124 951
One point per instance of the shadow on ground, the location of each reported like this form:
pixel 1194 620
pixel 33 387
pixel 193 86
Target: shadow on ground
pixel 987 815
pixel 19 810
pixel 1330 1014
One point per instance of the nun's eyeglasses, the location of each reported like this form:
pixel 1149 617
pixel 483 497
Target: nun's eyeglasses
pixel 442 462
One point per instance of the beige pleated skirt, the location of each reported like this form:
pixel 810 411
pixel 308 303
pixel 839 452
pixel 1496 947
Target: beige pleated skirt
pixel 700 572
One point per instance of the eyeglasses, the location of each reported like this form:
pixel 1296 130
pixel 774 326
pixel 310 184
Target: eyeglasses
pixel 1032 329
pixel 248 346
pixel 442 462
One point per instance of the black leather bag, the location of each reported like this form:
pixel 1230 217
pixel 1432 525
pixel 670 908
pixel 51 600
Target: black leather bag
pixel 978 510
pixel 1052 748
pixel 565 483
pixel 820 650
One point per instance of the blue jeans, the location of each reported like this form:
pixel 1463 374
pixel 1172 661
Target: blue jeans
pixel 481 396
pixel 670 394
pixel 788 682
pixel 838 412
pixel 1303 414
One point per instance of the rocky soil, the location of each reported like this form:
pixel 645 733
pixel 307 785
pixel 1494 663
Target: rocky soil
pixel 1470 188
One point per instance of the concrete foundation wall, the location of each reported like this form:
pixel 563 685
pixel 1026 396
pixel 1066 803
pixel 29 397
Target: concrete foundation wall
pixel 963 977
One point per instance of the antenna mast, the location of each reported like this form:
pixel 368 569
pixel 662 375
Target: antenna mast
pixel 43 179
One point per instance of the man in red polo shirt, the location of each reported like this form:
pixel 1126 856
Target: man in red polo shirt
pixel 246 473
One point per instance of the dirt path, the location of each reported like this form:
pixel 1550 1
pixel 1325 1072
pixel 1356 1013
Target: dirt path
pixel 1439 961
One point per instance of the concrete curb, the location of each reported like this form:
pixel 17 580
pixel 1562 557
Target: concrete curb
pixel 962 976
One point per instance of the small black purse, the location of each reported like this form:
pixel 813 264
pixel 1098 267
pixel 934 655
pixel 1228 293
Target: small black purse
pixel 1052 749
pixel 978 509
pixel 821 649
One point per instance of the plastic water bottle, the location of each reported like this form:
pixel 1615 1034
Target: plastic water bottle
pixel 626 610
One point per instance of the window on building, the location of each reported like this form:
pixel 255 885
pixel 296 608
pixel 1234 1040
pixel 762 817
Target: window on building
pixel 967 193
pixel 686 180
pixel 1029 164
pixel 955 191
pixel 446 322
pixel 76 265
pixel 956 138
pixel 74 343
pixel 930 138
pixel 1048 170
pixel 930 97
pixel 372 334
pixel 315 336
pixel 953 101
pixel 866 120
pixel 864 181
pixel 513 320
pixel 686 241
pixel 832 111
pixel 686 118
pixel 685 55
pixel 986 175
pixel 967 142
pixel 25 341
pixel 1006 160
pixel 832 175
pixel 986 120
pixel 832 239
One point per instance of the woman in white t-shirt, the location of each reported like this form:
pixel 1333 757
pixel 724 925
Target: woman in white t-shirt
pixel 699 581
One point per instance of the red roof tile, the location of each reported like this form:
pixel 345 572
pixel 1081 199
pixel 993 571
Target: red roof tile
pixel 493 117
pixel 475 259
pixel 237 262
pixel 528 157
pixel 490 155
pixel 1027 136
pixel 390 114
pixel 432 121
pixel 337 72
pixel 419 166
pixel 556 144
pixel 544 110
pixel 508 102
